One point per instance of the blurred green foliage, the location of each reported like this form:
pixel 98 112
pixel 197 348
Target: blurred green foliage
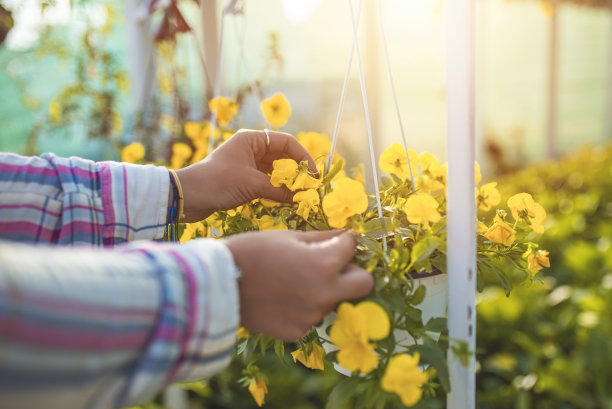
pixel 550 345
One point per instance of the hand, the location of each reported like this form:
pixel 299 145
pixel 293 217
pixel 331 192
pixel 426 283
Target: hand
pixel 237 172
pixel 291 279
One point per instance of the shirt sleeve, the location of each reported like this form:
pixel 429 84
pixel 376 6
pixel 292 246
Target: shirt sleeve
pixel 77 201
pixel 101 328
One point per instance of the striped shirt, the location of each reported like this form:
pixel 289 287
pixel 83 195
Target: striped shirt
pixel 85 326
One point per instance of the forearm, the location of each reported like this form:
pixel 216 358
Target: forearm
pixel 109 328
pixel 77 201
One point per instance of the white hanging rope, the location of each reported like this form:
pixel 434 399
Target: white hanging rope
pixel 364 97
pixel 217 92
pixel 342 95
pixel 397 109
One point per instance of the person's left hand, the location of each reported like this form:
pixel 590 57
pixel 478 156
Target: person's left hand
pixel 237 172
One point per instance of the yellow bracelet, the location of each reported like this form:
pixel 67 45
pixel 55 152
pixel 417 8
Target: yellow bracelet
pixel 179 189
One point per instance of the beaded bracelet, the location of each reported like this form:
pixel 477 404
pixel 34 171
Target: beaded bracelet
pixel 171 231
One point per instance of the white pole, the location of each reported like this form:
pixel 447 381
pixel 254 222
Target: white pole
pixel 461 202
pixel 140 47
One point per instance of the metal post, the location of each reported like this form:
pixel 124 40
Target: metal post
pixel 461 202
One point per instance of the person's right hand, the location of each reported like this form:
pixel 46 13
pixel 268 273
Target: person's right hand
pixel 291 279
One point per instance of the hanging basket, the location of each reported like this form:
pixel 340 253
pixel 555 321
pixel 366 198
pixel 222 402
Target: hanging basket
pixel 434 305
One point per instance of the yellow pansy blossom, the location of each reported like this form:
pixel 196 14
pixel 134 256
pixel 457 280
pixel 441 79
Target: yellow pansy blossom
pixel 269 203
pixel 180 153
pixel 190 231
pixel 225 109
pixel 524 208
pixel 404 378
pixel 539 261
pixel 284 172
pixel 347 199
pixel 133 153
pixel 243 333
pixel 268 223
pixel 500 232
pixel 422 208
pixel 276 109
pixel 394 160
pixel 304 181
pixel 352 330
pixel 318 146
pixel 307 200
pixel 433 177
pixel 258 390
pixel 314 360
pixel 487 196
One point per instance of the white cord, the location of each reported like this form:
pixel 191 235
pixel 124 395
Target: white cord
pixel 342 95
pixel 364 97
pixel 397 109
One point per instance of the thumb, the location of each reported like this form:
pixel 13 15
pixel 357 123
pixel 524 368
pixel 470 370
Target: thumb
pixel 354 282
pixel 267 191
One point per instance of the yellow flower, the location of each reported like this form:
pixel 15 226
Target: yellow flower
pixel 539 261
pixel 284 172
pixel 269 203
pixel 307 200
pixel 352 330
pixel 404 378
pixel 433 177
pixel 524 208
pixel 347 199
pixel 394 160
pixel 190 231
pixel 180 153
pixel 487 196
pixel 305 181
pixel 225 108
pixel 268 223
pixel 243 333
pixel 55 111
pixel 319 147
pixel 422 208
pixel 276 109
pixel 500 232
pixel 314 360
pixel 258 390
pixel 132 153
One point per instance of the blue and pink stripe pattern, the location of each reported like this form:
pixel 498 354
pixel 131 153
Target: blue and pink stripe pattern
pixel 95 327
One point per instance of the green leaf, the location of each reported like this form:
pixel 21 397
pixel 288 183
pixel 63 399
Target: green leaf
pixel 423 249
pixel 341 393
pixel 436 324
pixel 419 295
pixel 432 353
pixel 379 227
pixel 279 348
pixel 336 168
pixel 395 299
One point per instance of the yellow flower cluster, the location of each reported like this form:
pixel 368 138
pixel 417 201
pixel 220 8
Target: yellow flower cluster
pixel 355 326
pixel 225 109
pixel 404 378
pixel 258 390
pixel 286 172
pixel 524 209
pixel 133 153
pixel 314 360
pixel 347 198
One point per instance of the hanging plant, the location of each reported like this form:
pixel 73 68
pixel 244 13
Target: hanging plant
pixel 392 344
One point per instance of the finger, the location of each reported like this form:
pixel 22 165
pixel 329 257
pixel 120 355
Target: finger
pixel 318 236
pixel 337 251
pixel 267 191
pixel 284 145
pixel 354 282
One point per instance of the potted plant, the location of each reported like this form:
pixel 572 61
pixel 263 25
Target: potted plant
pixel 391 344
